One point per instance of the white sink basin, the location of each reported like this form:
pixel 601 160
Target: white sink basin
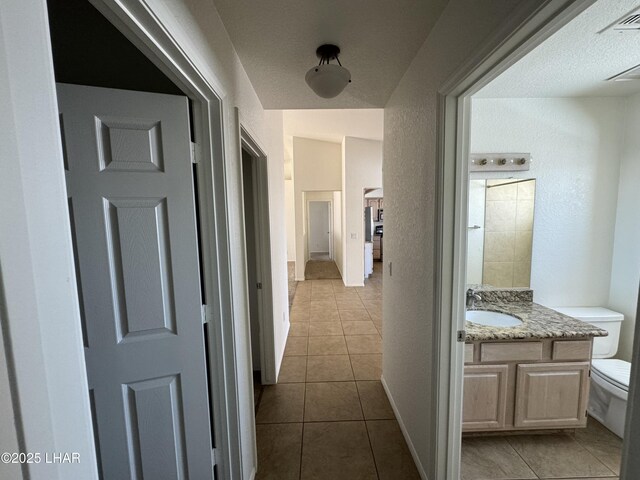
pixel 492 319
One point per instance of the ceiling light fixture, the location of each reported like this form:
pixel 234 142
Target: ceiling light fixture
pixel 328 80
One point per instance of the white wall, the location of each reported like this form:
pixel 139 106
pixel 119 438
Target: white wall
pixel 278 232
pixel 38 295
pixel 575 144
pixel 338 256
pixel 410 153
pixel 290 217
pixel 625 271
pixel 317 166
pixel 362 168
pixel 319 219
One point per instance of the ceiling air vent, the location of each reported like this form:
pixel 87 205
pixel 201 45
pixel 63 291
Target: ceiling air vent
pixel 629 23
pixel 628 75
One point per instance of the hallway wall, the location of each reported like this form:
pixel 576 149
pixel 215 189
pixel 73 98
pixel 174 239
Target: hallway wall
pixel 361 168
pixel 317 167
pixel 410 156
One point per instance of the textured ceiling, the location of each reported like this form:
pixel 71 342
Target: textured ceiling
pixel 577 60
pixel 276 41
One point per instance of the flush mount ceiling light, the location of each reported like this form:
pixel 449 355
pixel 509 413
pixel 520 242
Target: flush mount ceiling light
pixel 328 80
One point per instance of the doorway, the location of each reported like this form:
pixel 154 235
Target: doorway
pixel 159 286
pixel 255 193
pixel 456 222
pixel 320 231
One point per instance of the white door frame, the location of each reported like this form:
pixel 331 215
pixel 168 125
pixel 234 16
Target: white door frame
pixel 523 33
pixel 249 142
pixel 330 204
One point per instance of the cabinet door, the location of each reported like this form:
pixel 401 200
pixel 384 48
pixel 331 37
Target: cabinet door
pixel 552 395
pixel 485 397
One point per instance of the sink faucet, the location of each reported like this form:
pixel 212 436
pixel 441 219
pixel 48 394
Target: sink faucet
pixel 472 297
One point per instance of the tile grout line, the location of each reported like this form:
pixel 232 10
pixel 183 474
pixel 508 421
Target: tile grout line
pixel 522 458
pixel 364 420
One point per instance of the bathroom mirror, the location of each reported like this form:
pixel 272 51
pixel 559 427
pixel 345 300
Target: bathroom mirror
pixel 500 232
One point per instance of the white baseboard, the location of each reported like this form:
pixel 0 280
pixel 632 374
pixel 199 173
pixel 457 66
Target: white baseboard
pixel 407 439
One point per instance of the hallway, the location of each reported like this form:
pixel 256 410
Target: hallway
pixel 328 417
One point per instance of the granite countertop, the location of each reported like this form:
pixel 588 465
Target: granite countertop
pixel 538 321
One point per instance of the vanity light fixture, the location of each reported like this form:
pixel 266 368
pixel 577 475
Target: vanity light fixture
pixel 326 79
pixel 499 162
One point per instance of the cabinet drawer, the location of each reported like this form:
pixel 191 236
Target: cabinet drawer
pixel 511 352
pixel 571 350
pixel 468 353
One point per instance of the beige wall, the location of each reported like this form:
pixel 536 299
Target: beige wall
pixel 508 233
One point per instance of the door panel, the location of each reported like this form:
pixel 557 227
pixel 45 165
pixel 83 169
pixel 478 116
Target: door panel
pixel 130 185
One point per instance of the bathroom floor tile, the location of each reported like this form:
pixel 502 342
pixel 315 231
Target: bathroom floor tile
pixel 390 451
pixel 337 451
pixel 558 456
pixel 602 443
pixel 364 343
pixel 331 401
pixel 329 368
pixel 488 458
pixel 279 449
pixel 331 345
pixel 293 369
pixel 367 366
pixel 281 403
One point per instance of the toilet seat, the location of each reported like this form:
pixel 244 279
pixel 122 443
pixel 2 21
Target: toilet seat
pixel 616 372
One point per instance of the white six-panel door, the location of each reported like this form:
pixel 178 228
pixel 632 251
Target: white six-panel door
pixel 130 186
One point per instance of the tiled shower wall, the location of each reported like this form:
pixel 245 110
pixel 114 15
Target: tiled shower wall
pixel 508 233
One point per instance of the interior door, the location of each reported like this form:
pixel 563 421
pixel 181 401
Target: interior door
pixel 131 197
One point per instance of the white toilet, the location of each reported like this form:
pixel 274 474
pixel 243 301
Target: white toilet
pixel 609 377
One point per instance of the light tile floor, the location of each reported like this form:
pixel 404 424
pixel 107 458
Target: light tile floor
pixel 328 417
pixel 587 454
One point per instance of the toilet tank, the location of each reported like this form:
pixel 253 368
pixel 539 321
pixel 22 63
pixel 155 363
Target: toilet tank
pixel 603 347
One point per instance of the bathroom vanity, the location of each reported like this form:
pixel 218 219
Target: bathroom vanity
pixel 531 376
